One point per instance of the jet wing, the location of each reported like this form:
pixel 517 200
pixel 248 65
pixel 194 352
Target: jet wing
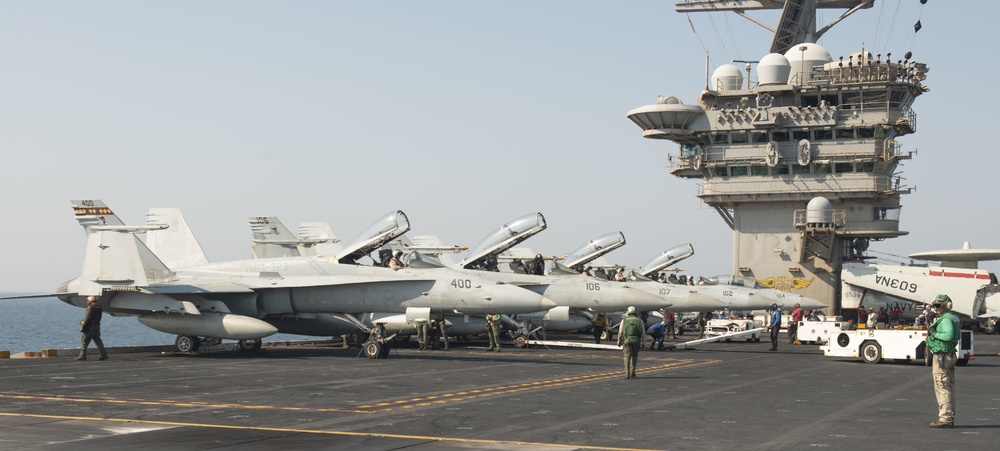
pixel 31 296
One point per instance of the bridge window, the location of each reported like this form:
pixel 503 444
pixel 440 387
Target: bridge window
pixel 866 132
pixel 812 101
pixel 780 169
pixel 739 171
pixel 831 99
pixel 822 168
pixel 759 170
pixel 845 133
pixel 798 135
pixel 796 169
pixel 779 135
pixel 738 137
pixel 843 168
pixel 720 138
pixel 823 134
pixel 721 171
pixel 866 167
pixel 758 136
pixel 886 213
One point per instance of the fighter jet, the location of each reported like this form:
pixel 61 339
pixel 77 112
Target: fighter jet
pixel 708 296
pixel 235 300
pixel 569 292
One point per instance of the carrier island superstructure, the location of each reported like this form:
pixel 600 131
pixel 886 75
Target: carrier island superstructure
pixel 803 162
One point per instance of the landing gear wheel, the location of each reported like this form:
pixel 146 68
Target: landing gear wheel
pixel 373 349
pixel 606 335
pixel 962 362
pixel 249 345
pixel 356 339
pixel 521 341
pixel 187 343
pixel 871 352
pixel 385 351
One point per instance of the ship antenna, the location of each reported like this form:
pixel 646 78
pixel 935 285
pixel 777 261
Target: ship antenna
pixel 706 70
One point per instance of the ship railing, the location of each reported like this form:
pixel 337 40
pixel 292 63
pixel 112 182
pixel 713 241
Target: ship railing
pixel 909 72
pixel 806 218
pixel 796 184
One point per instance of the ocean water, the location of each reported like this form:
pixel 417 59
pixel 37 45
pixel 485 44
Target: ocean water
pixel 48 323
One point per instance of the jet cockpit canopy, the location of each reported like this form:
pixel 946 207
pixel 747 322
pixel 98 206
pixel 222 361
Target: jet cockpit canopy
pixel 667 258
pixel 594 249
pixel 382 231
pixel 509 235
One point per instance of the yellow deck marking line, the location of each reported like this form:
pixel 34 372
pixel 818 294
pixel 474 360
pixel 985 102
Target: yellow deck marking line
pixel 386 406
pixel 317 431
pixel 24 396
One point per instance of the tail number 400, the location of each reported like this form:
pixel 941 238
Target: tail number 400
pixel 461 283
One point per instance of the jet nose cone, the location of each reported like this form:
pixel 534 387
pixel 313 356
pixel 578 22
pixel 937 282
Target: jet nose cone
pixel 643 300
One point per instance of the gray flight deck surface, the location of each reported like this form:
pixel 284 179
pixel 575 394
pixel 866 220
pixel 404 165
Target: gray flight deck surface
pixel 720 396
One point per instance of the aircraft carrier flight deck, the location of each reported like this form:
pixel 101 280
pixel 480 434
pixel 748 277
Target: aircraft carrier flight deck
pixel 717 396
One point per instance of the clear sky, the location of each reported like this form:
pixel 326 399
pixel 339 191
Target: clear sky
pixel 462 114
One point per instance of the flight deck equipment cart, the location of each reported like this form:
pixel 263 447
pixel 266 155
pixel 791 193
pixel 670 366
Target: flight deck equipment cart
pixel 903 345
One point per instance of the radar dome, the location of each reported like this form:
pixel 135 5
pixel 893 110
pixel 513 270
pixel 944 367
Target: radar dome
pixel 668 100
pixel 819 211
pixel 727 77
pixel 803 57
pixel 773 69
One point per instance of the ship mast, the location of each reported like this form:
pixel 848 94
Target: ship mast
pixel 798 17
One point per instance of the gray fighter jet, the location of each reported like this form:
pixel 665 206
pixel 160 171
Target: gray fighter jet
pixel 569 292
pixel 235 300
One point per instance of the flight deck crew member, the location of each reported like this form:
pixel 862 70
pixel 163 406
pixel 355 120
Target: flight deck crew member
pixel 671 323
pixel 443 328
pixel 775 326
pixel 599 324
pixel 872 318
pixel 793 327
pixel 631 334
pixel 493 331
pixel 396 262
pixel 942 339
pixel 423 330
pixel 91 329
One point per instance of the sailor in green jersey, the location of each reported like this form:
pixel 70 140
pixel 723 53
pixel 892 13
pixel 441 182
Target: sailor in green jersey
pixel 631 333
pixel 493 330
pixel 942 339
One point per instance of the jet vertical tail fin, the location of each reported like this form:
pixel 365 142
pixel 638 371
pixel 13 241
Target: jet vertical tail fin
pixel 117 260
pixel 272 239
pixel 94 212
pixel 175 244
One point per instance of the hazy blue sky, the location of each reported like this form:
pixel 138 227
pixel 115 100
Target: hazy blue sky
pixel 463 114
